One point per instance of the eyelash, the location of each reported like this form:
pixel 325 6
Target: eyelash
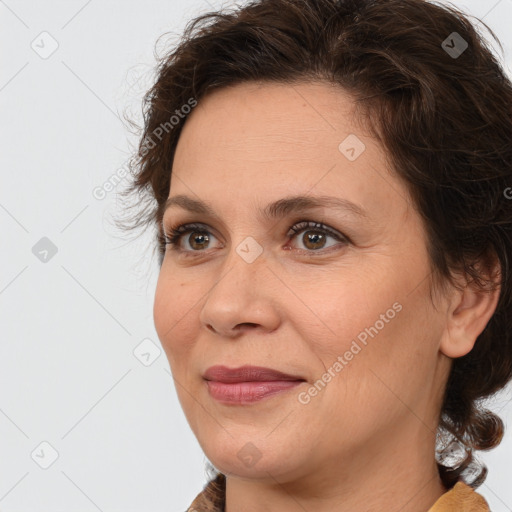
pixel 175 234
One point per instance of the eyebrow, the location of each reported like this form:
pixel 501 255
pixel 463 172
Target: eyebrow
pixel 277 209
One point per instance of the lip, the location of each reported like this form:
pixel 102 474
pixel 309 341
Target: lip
pixel 247 384
pixel 246 374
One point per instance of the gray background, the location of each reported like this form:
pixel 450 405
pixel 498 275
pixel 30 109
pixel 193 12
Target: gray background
pixel 71 321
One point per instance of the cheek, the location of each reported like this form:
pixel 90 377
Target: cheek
pixel 172 318
pixel 346 311
pixel 162 308
pixel 370 325
pixel 387 351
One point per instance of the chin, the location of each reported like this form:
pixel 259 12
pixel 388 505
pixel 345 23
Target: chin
pixel 256 459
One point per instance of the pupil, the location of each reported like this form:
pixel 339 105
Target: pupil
pixel 314 239
pixel 201 237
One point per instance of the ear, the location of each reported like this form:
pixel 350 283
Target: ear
pixel 469 311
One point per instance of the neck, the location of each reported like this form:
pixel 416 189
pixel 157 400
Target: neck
pixel 398 473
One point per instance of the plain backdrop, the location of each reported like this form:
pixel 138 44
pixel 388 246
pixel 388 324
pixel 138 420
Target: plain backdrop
pixel 89 418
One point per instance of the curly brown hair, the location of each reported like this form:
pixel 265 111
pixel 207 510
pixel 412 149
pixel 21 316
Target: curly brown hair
pixel 444 118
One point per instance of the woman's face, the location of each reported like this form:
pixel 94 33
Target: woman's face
pixel 346 308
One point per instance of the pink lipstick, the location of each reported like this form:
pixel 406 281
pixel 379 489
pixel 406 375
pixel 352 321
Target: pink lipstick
pixel 247 384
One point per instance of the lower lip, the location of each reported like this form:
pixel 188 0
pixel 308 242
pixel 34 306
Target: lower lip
pixel 248 392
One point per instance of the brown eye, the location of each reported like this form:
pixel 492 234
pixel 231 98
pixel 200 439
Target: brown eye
pixel 197 240
pixel 315 236
pixel 313 240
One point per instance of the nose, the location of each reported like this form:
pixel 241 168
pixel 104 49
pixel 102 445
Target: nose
pixel 243 297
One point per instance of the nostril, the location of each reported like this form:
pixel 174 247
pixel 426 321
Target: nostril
pixel 246 325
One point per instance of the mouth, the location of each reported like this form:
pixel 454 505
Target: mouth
pixel 247 384
pixel 247 374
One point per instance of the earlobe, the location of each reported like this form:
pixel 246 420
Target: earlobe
pixel 469 312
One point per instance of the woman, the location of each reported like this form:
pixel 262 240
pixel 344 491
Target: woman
pixel 330 184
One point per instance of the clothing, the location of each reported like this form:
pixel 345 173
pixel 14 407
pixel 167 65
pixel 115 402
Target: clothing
pixel 460 498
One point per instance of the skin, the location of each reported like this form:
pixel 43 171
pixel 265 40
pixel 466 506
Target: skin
pixel 366 441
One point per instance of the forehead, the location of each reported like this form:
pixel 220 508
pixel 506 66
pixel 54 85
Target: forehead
pixel 286 120
pixel 269 140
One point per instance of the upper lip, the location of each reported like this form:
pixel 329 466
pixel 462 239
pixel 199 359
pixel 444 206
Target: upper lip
pixel 246 374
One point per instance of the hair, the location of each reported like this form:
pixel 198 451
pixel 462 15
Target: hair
pixel 444 120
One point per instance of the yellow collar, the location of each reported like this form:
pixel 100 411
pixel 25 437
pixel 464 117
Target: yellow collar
pixel 460 498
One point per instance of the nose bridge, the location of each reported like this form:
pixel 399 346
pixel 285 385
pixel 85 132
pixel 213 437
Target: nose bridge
pixel 238 295
pixel 244 265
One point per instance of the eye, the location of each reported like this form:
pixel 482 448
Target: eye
pixel 198 239
pixel 313 240
pixel 315 235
